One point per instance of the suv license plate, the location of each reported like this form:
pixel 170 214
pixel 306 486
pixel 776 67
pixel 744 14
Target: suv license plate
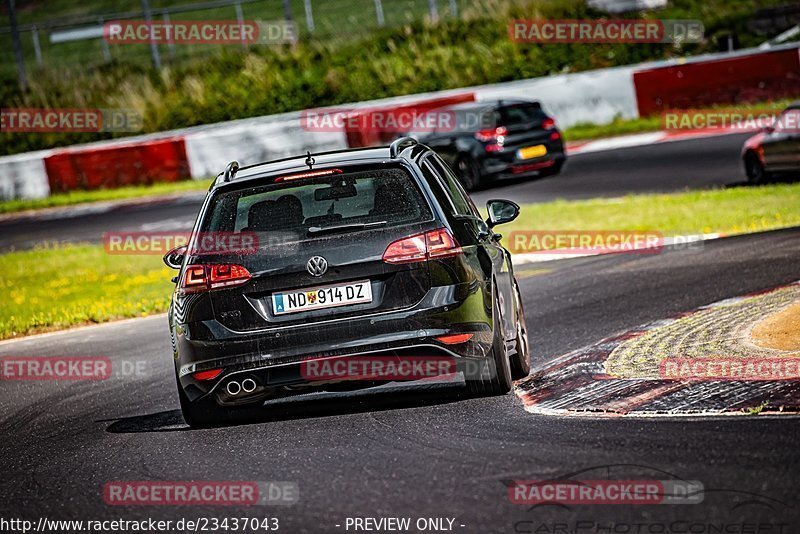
pixel 322 297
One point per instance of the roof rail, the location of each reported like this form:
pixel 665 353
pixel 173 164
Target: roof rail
pixel 230 171
pixel 398 144
pixel 316 154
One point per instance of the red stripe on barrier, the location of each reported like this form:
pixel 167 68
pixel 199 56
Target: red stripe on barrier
pixel 162 160
pixel 362 135
pixel 750 78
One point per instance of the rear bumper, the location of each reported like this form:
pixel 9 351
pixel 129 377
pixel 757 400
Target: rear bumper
pixel 499 168
pixel 274 357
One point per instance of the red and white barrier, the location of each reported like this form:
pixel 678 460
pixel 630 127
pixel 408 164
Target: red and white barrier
pixel 115 165
pixel 587 97
pixel 252 141
pixel 710 80
pixel 24 175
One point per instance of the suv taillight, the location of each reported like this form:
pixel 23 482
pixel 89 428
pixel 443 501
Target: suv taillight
pixel 437 243
pixel 206 277
pixel 548 124
pixel 491 135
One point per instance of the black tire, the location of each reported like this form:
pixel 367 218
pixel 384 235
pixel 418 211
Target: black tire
pixel 201 414
pixel 495 375
pixel 468 172
pixel 756 174
pixel 552 171
pixel 521 359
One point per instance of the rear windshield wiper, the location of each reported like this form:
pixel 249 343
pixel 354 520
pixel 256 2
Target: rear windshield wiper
pixel 317 230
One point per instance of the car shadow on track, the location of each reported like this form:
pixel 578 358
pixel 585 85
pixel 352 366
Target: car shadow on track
pixel 323 404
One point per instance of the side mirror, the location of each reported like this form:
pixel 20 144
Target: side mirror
pixel 174 258
pixel 501 212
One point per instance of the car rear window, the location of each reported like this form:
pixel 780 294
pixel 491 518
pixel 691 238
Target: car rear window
pixel 301 207
pixel 521 114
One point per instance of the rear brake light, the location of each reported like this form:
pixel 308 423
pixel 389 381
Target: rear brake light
pixel 491 134
pixel 548 124
pixel 210 374
pixel 454 339
pixel 228 275
pixel 311 174
pixel 555 136
pixel 194 279
pixel 437 243
pixel 206 277
pixel 492 147
pixel 441 243
pixel 406 250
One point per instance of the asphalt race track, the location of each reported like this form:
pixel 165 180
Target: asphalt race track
pixel 423 452
pixel 672 166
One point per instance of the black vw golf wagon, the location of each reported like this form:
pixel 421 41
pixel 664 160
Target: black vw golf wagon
pixel 307 263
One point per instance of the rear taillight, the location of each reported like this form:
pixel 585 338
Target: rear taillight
pixel 407 250
pixel 454 339
pixel 210 374
pixel 206 277
pixel 194 279
pixel 492 135
pixel 435 244
pixel 493 147
pixel 441 243
pixel 227 275
pixel 548 124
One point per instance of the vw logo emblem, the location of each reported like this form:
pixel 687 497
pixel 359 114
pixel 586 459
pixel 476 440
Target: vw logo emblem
pixel 317 266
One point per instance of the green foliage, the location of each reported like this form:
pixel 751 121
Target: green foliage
pixel 231 83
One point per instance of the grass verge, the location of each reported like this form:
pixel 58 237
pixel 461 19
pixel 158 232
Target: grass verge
pixel 587 130
pixel 121 193
pixel 620 126
pixel 59 287
pixel 62 286
pixel 730 211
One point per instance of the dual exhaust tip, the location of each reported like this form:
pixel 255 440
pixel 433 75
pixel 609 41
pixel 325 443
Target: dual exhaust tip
pixel 247 386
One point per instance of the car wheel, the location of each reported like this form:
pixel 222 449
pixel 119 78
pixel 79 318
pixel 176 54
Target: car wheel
pixel 521 359
pixel 551 171
pixel 200 414
pixel 495 373
pixel 755 169
pixel 468 173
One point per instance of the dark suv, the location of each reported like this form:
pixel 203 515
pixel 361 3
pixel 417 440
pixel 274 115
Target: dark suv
pixel 368 253
pixel 486 141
